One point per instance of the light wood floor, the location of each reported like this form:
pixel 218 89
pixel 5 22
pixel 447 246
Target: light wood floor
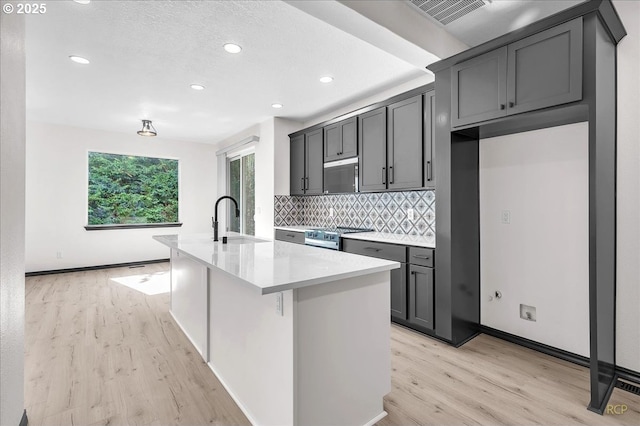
pixel 98 352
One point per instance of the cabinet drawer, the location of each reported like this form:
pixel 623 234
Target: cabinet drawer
pixel 290 236
pixel 421 256
pixel 373 249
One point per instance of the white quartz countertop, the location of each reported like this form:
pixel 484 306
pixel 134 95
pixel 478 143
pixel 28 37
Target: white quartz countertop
pixel 385 237
pixel 273 266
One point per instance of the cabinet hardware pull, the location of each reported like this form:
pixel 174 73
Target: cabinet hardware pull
pixel 302 184
pixel 418 256
pixel 502 106
pixel 384 175
pixel 429 177
pixel 306 184
pixel 390 174
pixel 290 235
pixel 511 104
pixel 373 249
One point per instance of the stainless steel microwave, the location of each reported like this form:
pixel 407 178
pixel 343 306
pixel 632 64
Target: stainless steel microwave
pixel 341 176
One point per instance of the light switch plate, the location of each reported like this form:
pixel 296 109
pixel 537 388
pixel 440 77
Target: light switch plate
pixel 505 217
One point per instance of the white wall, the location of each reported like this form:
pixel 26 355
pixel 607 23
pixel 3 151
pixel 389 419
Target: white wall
pixel 12 165
pixel 628 192
pixel 542 257
pixel 272 167
pixel 377 97
pixel 56 197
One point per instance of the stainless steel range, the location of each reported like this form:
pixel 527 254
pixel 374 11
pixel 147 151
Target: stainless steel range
pixel 329 237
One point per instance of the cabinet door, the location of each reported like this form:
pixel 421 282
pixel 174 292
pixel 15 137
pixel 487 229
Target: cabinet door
pixel 314 164
pixel 349 138
pixel 545 69
pixel 421 296
pixel 372 143
pixel 297 166
pixel 429 139
pixel 404 144
pixel 399 292
pixel 332 142
pixel 478 88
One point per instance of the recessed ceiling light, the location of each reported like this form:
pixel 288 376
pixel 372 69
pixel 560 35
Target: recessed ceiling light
pixel 79 59
pixel 276 105
pixel 232 48
pixel 83 1
pixel 326 79
pixel 197 87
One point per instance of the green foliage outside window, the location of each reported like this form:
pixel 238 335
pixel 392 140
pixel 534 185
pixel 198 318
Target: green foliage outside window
pixel 126 189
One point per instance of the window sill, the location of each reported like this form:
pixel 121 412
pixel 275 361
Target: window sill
pixel 132 226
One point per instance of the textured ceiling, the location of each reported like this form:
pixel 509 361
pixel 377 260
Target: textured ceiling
pixel 145 54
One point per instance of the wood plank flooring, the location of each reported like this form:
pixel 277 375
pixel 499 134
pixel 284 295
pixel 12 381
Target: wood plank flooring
pixel 100 353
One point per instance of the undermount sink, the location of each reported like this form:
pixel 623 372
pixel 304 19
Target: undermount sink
pixel 245 240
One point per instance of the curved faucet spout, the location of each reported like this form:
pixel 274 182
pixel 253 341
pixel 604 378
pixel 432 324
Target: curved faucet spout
pixel 215 218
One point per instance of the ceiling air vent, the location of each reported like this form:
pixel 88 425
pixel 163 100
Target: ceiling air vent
pixel 447 11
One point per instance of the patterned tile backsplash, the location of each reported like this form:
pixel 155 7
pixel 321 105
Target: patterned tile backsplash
pixel 381 211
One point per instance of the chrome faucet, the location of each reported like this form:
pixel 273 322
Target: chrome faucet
pixel 215 218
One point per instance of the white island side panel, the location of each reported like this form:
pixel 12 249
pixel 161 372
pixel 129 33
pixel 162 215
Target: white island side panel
pixel 251 348
pixel 189 299
pixel 343 353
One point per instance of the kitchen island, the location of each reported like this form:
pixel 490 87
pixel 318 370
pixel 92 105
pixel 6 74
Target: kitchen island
pixel 297 335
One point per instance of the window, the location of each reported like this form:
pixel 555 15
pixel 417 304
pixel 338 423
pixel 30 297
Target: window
pixel 242 188
pixel 132 191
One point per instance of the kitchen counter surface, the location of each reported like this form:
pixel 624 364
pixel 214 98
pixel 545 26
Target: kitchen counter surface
pixel 385 237
pixel 274 266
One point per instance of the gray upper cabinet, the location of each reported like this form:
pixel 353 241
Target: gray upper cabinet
pixel 313 162
pixel 545 69
pixel 372 141
pixel 340 140
pixel 297 166
pixel 478 88
pixel 429 138
pixel 404 144
pixel 306 164
pixel 539 71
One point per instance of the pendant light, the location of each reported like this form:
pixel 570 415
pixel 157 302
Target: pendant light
pixel 147 129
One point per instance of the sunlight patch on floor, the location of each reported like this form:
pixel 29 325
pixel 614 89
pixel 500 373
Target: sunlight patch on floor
pixel 149 284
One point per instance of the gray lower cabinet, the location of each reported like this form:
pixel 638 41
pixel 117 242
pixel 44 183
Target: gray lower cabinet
pixel 306 165
pixel 539 71
pixel 399 292
pixel 412 285
pixel 340 140
pixel 404 144
pixel 421 305
pixel 296 237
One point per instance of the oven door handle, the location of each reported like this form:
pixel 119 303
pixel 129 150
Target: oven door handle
pixel 323 244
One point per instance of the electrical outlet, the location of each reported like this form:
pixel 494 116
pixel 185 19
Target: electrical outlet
pixel 279 304
pixel 505 217
pixel 528 312
pixel 410 215
pixel 58 255
pixel 331 212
